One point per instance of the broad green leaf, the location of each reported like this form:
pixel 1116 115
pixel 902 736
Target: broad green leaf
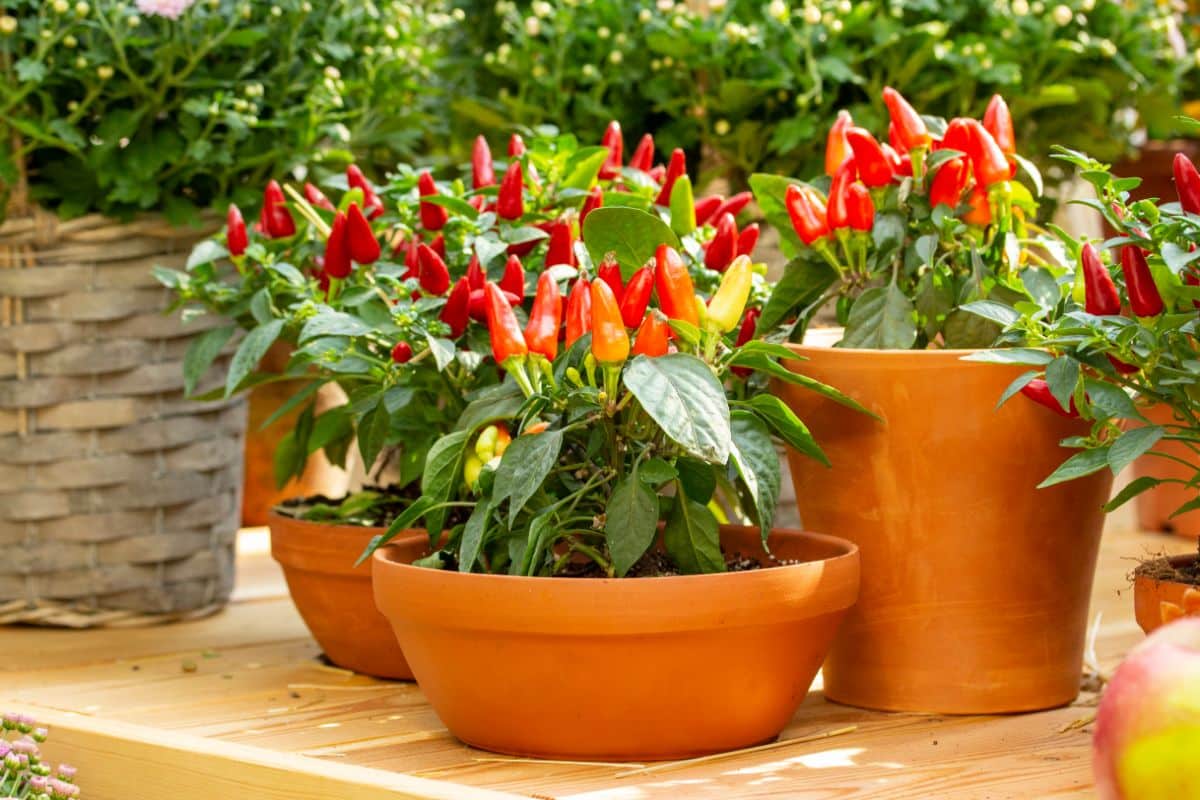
pixel 443 471
pixel 473 535
pixel 881 318
pixel 201 353
pixel 692 538
pixel 1012 355
pixel 288 459
pixel 498 402
pixel 997 312
pixel 523 470
pixel 1062 374
pixel 1131 490
pixel 583 166
pixel 681 394
pixel 372 434
pixel 459 206
pixel 292 404
pixel 656 471
pixel 754 457
pixel 965 331
pixel 1131 444
pixel 1017 385
pixel 328 322
pixel 442 349
pixel 631 521
pixel 250 352
pixel 205 252
pixel 630 235
pixel 1111 400
pixel 761 363
pixel 1082 463
pixel 804 282
pixel 406 520
pixel 697 478
pixel 787 426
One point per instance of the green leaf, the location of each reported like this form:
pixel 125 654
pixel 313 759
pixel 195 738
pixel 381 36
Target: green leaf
pixel 201 353
pixel 1077 466
pixel 1111 400
pixel 288 459
pixel 630 235
pixel 656 472
pixel 583 166
pixel 457 205
pixel 442 349
pixel 1012 355
pixel 1131 490
pixel 881 318
pixel 1062 374
pixel 205 252
pixel 328 322
pixel 631 521
pixel 1131 444
pixel 443 471
pixel 692 537
pixel 250 352
pixel 754 457
pixel 761 363
pixel 292 403
pixel 523 469
pixel 997 312
pixel 420 507
pixel 787 426
pixel 472 538
pixel 804 282
pixel 965 331
pixel 681 394
pixel 499 402
pixel 1017 385
pixel 373 433
pixel 697 478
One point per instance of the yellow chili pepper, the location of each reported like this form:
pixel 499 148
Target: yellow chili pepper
pixel 725 310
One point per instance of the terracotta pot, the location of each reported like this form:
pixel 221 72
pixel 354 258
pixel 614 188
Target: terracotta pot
pixel 1157 602
pixel 975 583
pixel 618 669
pixel 334 597
pixel 1155 507
pixel 260 494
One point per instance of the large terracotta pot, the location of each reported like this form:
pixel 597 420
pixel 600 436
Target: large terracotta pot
pixel 1157 602
pixel 334 597
pixel 975 583
pixel 1155 507
pixel 627 668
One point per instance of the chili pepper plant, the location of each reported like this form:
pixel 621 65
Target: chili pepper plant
pixel 904 229
pixel 384 292
pixel 1118 332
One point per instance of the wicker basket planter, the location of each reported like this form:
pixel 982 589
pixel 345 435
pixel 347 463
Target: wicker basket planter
pixel 119 499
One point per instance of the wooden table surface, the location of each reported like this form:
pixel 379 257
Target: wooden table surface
pixel 237 705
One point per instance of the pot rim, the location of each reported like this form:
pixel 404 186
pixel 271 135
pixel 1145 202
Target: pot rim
pixel 943 352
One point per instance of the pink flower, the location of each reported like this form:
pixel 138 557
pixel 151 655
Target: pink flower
pixel 171 9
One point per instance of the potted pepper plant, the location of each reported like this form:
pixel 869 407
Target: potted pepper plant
pixel 594 566
pixel 1116 348
pixel 976 584
pixel 382 295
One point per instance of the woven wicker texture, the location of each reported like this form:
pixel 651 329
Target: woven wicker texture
pixel 119 499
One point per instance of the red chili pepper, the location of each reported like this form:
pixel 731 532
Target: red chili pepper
pixel 510 201
pixel 957 136
pixel 516 146
pixel 610 273
pixel 372 205
pixel 910 128
pixel 545 318
pixel 675 167
pixel 747 239
pixel 1187 184
pixel 657 173
pixel 745 334
pixel 1192 278
pixel 360 239
pixel 1099 292
pixel 706 207
pixel 949 183
pixel 636 296
pixel 507 339
pixel 236 238
pixel 402 352
pixel 807 210
pixel 337 251
pixel 872 163
pixel 439 245
pixel 894 139
pixel 733 205
pixel 723 247
pixel 613 141
pixel 317 198
pixel 579 310
pixel 275 220
pixel 1039 392
pixel 838 213
pixel 411 260
pixel 477 305
pixel 998 122
pixel 676 295
pixel 476 277
pixel 1144 299
pixel 837 149
pixel 482 172
pixel 987 159
pixel 594 200
pixel 434 276
pixel 643 156
pixel 980 211
pixel 456 312
pixel 433 217
pixel 561 249
pixel 513 280
pixel 652 336
pixel 901 164
pixel 610 340
pixel 860 207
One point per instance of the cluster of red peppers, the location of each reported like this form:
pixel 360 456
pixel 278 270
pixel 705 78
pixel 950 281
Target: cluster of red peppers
pixel 859 164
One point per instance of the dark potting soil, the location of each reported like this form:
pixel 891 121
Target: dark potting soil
pixel 658 565
pixel 1161 569
pixel 374 506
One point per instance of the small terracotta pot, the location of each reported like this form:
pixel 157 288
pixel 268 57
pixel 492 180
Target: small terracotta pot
pixel 1155 507
pixel 1156 602
pixel 975 583
pixel 627 668
pixel 334 597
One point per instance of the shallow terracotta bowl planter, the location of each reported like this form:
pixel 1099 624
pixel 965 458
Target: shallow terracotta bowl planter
pixel 621 669
pixel 1157 602
pixel 975 583
pixel 334 597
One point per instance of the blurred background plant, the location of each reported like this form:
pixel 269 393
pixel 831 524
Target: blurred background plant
pixel 748 85
pixel 178 106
